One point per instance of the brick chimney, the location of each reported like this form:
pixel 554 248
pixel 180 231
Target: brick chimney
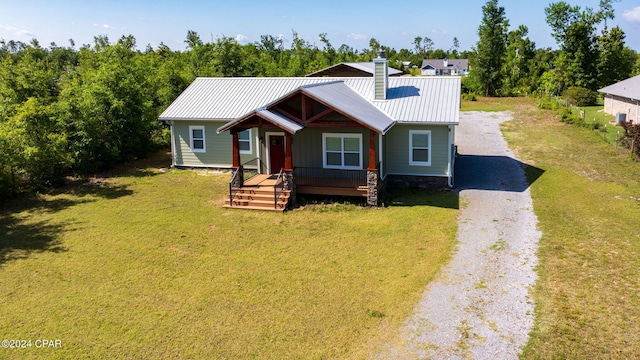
pixel 381 76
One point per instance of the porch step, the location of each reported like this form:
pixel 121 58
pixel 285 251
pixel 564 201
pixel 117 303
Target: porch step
pixel 258 198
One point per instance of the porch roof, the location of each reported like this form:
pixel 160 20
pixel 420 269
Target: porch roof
pixel 336 95
pixel 273 117
pixel 341 97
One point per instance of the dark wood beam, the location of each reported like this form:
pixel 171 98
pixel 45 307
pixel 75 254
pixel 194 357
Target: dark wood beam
pixel 287 111
pixel 288 163
pixel 334 124
pixel 372 151
pixel 320 114
pixel 307 108
pixel 235 149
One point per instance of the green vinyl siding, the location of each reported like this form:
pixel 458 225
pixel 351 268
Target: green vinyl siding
pixel 307 145
pixel 396 151
pixel 218 146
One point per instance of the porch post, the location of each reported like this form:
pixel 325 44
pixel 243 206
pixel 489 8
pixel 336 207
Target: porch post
pixel 235 146
pixel 373 165
pixel 238 174
pixel 288 164
pixel 372 172
pixel 289 178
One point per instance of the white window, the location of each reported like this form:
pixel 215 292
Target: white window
pixel 244 141
pixel 342 151
pixel 420 147
pixel 197 142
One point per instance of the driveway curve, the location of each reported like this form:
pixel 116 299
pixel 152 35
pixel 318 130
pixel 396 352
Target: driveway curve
pixel 479 306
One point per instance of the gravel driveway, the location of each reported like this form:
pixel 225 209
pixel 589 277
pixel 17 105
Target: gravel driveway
pixel 479 305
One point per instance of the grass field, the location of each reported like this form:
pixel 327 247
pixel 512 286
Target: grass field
pixel 588 206
pixel 147 264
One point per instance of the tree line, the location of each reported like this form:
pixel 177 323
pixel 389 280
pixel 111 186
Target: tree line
pixel 506 62
pixel 77 111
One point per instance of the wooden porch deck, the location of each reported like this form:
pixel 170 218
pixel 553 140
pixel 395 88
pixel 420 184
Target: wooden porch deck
pixel 313 186
pixel 262 180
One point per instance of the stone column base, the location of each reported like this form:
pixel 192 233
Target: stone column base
pixel 290 184
pixel 372 187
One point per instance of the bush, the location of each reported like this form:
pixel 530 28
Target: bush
pixel 631 138
pixel 469 97
pixel 548 103
pixel 567 116
pixel 578 96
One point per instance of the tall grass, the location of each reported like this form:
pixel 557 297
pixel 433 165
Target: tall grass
pixel 147 264
pixel 587 202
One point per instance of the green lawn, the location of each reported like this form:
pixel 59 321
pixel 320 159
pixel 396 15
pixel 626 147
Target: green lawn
pixel 588 205
pixel 147 264
pixel 606 123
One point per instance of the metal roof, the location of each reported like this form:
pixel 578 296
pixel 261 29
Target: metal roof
pixel 367 67
pixel 427 100
pixel 277 119
pixel 629 88
pixel 341 97
pixel 458 64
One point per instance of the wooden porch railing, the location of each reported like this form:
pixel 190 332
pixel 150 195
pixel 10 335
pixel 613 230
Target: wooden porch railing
pixel 338 177
pixel 253 167
pixel 278 188
pixel 249 169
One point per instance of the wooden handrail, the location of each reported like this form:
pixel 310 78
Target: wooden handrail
pixel 276 194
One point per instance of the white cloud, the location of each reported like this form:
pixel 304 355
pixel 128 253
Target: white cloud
pixel 632 15
pixel 439 32
pixel 106 26
pixel 404 33
pixel 241 38
pixel 16 31
pixel 355 36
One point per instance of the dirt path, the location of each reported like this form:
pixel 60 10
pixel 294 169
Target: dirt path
pixel 479 306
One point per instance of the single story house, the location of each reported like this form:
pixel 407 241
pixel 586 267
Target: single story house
pixel 445 67
pixel 623 98
pixel 328 136
pixel 351 69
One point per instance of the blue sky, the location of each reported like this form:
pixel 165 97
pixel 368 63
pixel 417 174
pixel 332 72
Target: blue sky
pixel 393 24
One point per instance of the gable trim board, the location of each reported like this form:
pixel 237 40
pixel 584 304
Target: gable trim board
pixel 412 104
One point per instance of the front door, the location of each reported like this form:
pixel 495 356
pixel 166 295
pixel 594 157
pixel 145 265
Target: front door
pixel 276 153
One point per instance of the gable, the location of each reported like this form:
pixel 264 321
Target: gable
pixel 316 106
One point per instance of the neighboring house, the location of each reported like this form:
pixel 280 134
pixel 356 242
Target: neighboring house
pixel 351 69
pixel 439 67
pixel 623 98
pixel 328 136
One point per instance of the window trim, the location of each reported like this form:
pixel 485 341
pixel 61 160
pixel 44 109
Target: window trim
pixel 191 139
pixel 411 148
pixel 250 151
pixel 342 136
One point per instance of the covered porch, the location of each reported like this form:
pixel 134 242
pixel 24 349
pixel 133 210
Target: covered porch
pixel 312 145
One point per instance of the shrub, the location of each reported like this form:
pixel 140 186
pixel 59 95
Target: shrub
pixel 548 103
pixel 631 138
pixel 579 96
pixel 469 97
pixel 567 116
